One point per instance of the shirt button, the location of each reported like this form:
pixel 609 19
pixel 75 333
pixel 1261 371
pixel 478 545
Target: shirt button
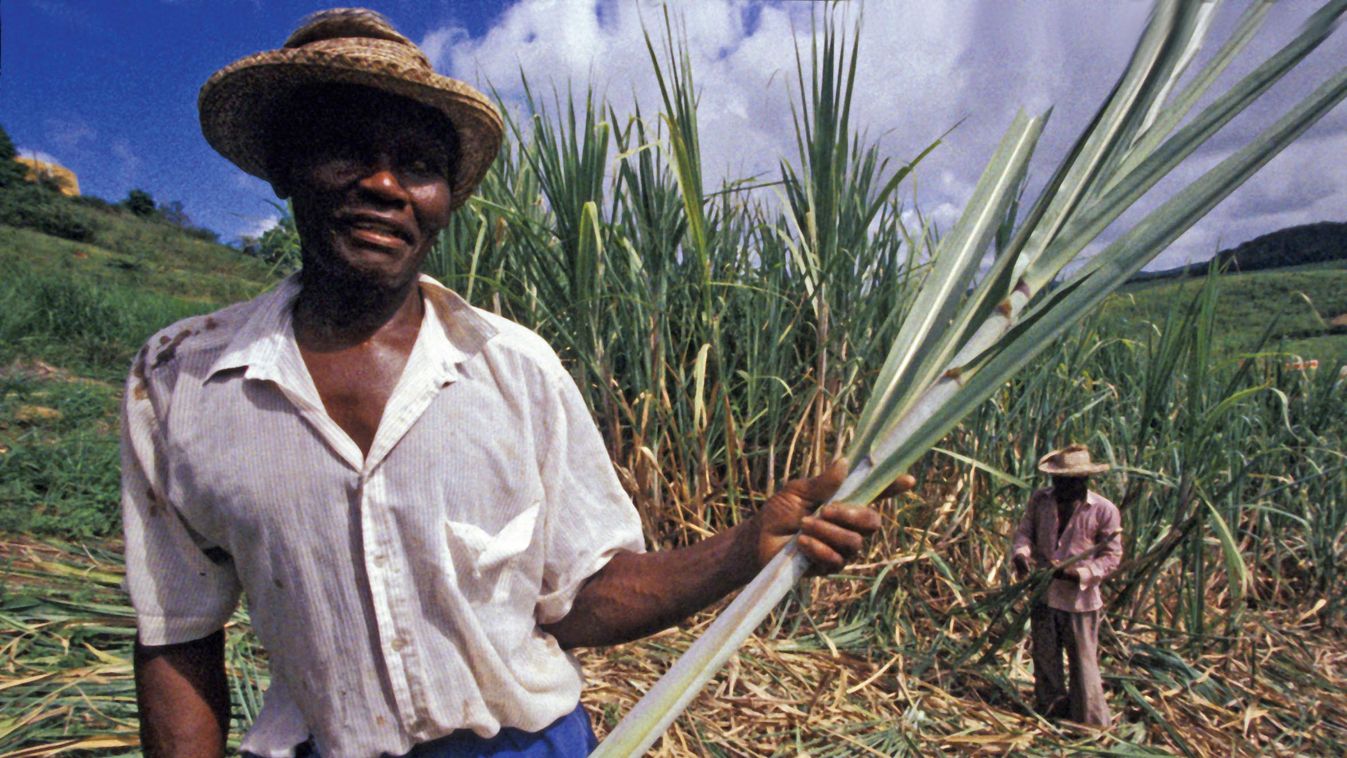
pixel 398 644
pixel 380 559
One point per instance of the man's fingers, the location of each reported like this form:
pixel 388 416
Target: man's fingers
pixel 903 483
pixel 857 518
pixel 819 488
pixel 846 542
pixel 822 557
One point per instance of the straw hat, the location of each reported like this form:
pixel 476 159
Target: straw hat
pixel 1073 460
pixel 343 46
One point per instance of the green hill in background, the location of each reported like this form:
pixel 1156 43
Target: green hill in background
pixel 1322 242
pixel 82 285
pixel 1288 287
pixel 87 303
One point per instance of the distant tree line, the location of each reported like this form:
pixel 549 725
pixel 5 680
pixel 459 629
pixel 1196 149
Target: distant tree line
pixel 1293 246
pixel 141 203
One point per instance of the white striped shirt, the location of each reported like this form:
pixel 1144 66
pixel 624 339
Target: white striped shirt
pixel 398 594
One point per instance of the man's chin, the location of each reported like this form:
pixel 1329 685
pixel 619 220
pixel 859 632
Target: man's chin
pixel 360 275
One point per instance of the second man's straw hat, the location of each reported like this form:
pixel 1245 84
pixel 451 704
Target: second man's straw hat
pixel 343 46
pixel 1073 460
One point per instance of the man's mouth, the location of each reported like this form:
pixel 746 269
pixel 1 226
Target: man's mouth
pixel 377 231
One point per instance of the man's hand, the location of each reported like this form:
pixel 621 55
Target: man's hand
pixel 1069 574
pixel 829 536
pixel 1021 563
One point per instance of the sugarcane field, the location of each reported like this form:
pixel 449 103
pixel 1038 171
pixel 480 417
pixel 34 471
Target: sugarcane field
pixel 737 378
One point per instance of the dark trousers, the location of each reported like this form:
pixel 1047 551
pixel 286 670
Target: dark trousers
pixel 1083 700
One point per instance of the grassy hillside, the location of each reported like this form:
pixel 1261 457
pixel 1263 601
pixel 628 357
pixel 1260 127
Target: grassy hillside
pixel 1293 308
pixel 72 314
pixel 87 304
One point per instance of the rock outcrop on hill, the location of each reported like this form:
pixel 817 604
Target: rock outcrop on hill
pixel 61 177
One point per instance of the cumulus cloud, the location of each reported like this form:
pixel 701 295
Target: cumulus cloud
pixel 254 227
pixel 38 155
pixel 923 68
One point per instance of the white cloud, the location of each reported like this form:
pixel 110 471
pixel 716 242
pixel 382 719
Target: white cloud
pixel 439 42
pixel 256 226
pixel 922 68
pixel 70 134
pixel 38 155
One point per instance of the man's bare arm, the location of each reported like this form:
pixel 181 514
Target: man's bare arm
pixel 635 595
pixel 183 698
pixel 638 594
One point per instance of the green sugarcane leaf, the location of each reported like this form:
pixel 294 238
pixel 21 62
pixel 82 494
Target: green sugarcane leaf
pixel 958 393
pixel 996 472
pixel 1185 37
pixel 1163 122
pixel 990 293
pixel 1108 129
pixel 1090 222
pixel 955 263
pixel 1235 568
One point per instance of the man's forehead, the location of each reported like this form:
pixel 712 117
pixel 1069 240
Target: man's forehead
pixel 344 98
pixel 334 110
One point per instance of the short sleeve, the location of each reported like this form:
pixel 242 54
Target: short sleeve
pixel 181 589
pixel 589 517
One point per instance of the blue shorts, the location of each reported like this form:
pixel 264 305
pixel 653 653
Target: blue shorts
pixel 570 736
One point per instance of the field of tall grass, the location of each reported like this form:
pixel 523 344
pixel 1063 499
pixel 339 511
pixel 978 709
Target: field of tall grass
pixel 726 341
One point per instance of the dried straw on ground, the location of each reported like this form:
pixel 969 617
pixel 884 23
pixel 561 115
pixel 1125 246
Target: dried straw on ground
pixel 1281 687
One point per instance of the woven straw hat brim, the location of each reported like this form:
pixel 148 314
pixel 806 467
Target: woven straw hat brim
pixel 1086 470
pixel 236 101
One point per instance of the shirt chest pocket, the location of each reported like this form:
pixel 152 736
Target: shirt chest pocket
pixel 491 567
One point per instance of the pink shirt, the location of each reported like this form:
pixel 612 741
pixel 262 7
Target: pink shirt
pixel 1094 522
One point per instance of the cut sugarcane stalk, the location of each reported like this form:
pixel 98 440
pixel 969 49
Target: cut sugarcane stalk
pixel 953 351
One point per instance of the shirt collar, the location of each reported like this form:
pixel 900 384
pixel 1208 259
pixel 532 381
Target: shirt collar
pixel 265 344
pixel 262 339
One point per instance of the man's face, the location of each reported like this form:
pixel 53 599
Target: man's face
pixel 367 174
pixel 1068 488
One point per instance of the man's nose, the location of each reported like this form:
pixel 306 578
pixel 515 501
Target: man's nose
pixel 380 177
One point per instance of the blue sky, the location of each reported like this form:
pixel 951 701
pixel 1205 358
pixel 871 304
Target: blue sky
pixel 108 88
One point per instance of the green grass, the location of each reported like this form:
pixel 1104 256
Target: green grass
pixel 143 255
pixel 88 307
pixel 59 474
pixel 72 315
pixel 1293 305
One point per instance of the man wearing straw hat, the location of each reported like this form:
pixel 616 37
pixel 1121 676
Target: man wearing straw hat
pixel 1077 534
pixel 410 490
